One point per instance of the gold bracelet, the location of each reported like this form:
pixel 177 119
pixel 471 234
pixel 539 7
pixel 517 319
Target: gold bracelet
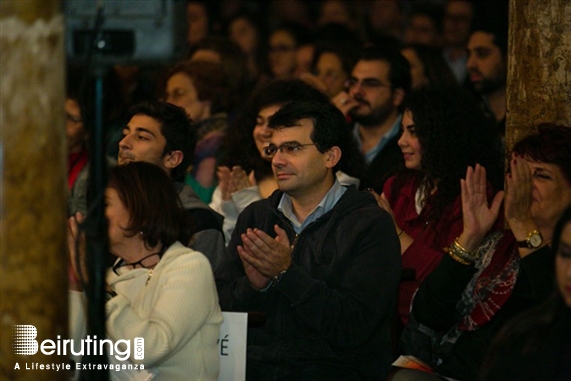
pixel 457 244
pixel 460 254
pixel 457 258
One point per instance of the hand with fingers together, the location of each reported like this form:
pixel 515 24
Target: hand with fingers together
pixel 519 192
pixel 223 174
pixel 239 180
pixel 384 204
pixel 233 180
pixel 519 197
pixel 477 216
pixel 264 257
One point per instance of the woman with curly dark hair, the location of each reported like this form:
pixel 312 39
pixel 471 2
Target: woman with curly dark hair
pixel 245 172
pixel 443 132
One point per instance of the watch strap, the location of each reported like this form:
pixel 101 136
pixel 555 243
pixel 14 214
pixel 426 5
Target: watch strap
pixel 527 243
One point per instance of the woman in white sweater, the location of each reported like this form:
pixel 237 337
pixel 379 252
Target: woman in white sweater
pixel 159 290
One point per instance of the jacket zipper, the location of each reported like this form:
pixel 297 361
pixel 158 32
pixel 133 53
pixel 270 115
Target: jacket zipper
pixel 292 246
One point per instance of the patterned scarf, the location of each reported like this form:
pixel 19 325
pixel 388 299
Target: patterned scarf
pixel 490 287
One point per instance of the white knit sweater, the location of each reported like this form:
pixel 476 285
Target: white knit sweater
pixel 175 310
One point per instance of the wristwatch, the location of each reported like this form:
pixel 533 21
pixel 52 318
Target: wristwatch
pixel 533 240
pixel 273 281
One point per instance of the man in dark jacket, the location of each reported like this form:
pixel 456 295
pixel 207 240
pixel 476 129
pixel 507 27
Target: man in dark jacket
pixel 321 261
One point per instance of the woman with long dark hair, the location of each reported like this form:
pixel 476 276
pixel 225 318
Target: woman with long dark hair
pixel 443 132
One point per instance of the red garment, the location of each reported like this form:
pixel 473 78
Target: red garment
pixel 430 237
pixel 75 163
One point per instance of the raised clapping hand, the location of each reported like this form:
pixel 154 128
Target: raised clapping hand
pixel 384 204
pixel 264 257
pixel 233 180
pixel 478 217
pixel 405 239
pixel 518 201
pixel 223 174
pixel 519 189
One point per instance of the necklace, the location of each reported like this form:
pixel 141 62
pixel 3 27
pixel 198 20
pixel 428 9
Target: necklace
pixel 141 263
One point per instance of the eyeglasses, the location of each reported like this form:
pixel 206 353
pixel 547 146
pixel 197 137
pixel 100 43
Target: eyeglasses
pixel 145 263
pixel 288 148
pixel 366 84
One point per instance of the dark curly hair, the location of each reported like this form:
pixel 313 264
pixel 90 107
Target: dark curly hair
pixel 176 128
pixel 454 133
pixel 399 68
pixel 239 147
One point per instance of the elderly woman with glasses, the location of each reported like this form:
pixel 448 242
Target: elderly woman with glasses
pixel 159 290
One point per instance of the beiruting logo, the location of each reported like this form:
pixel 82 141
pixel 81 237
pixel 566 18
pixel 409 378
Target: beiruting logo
pixel 24 343
pixel 23 338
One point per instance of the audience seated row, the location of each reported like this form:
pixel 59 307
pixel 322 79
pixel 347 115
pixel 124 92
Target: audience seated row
pixel 336 187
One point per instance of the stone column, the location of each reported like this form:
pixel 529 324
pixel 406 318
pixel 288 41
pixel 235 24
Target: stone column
pixel 33 264
pixel 539 66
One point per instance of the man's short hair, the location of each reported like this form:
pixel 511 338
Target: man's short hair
pixel 435 12
pixel 493 19
pixel 329 125
pixel 399 68
pixel 282 91
pixel 176 127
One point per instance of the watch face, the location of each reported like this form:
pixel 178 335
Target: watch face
pixel 535 240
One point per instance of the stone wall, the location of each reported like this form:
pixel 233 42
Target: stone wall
pixel 33 264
